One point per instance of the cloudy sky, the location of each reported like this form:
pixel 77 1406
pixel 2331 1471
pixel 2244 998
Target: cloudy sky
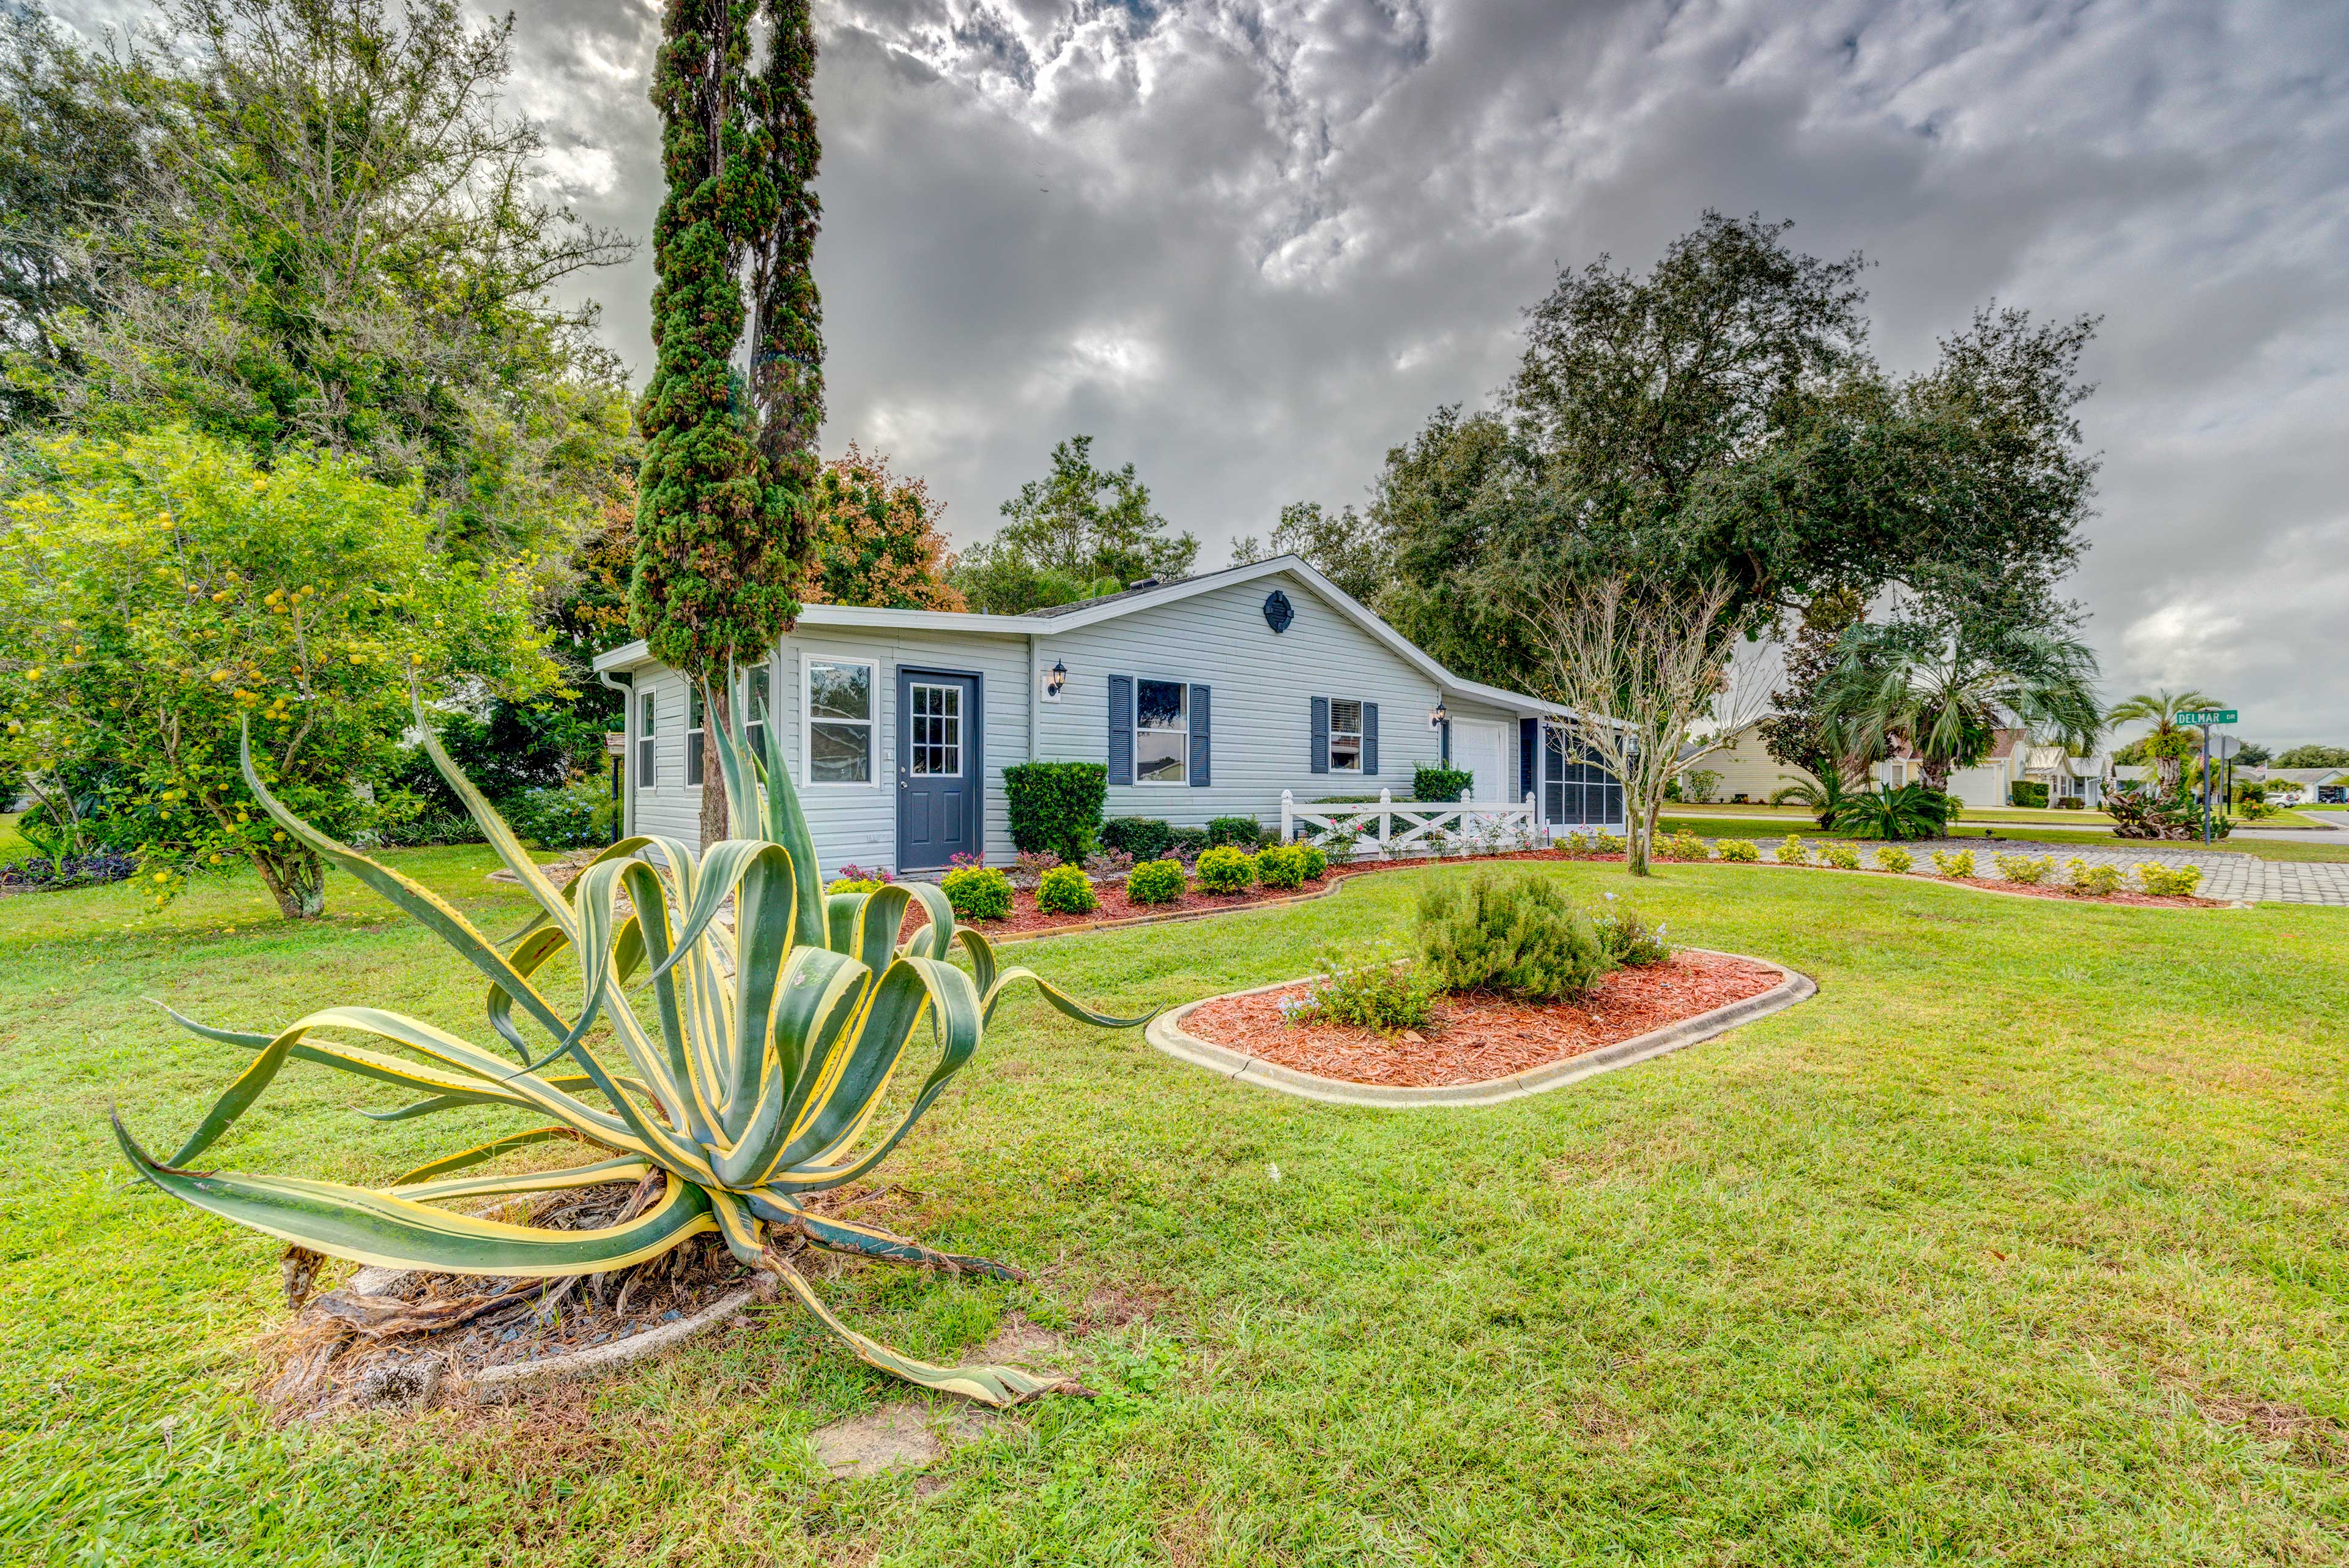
pixel 1250 246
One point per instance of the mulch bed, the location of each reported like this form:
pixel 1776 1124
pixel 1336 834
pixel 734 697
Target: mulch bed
pixel 2146 900
pixel 1475 1039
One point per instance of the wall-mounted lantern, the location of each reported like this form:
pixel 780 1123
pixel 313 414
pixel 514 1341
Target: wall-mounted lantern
pixel 1054 678
pixel 1439 718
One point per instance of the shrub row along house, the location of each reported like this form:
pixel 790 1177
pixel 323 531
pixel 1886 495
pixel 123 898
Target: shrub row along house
pixel 1204 697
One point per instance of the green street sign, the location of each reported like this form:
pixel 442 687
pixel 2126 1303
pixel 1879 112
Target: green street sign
pixel 2208 716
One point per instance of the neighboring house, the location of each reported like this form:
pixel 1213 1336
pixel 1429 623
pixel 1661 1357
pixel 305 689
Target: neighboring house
pixel 1204 698
pixel 2066 777
pixel 1989 783
pixel 1747 768
pixel 2323 786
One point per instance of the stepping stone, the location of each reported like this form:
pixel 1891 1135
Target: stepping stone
pixel 881 1442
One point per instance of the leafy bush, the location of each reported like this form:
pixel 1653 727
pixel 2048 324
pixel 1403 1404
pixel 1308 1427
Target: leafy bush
pixel 1842 856
pixel 1794 851
pixel 1516 935
pixel 572 817
pixel 1627 935
pixel 1227 868
pixel 1888 858
pixel 1699 786
pixel 2098 881
pixel 2028 793
pixel 1108 863
pixel 1680 845
pixel 1311 857
pixel 2138 813
pixel 1744 851
pixel 978 892
pixel 406 830
pixel 52 872
pixel 853 885
pixel 1239 830
pixel 1056 806
pixel 1363 991
pixel 1911 811
pixel 2168 882
pixel 1435 782
pixel 1189 842
pixel 879 876
pixel 1606 842
pixel 1577 843
pixel 1960 865
pixel 2028 869
pixel 1143 838
pixel 1029 867
pixel 1066 890
pixel 2071 802
pixel 962 857
pixel 1156 882
pixel 1280 865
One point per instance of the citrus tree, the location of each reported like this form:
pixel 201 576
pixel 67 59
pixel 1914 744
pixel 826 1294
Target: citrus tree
pixel 157 591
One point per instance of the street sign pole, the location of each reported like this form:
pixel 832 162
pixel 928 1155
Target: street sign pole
pixel 2206 783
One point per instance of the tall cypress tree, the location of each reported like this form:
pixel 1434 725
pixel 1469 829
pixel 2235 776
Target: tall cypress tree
pixel 723 519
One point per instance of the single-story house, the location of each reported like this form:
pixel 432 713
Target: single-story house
pixel 2323 786
pixel 2066 777
pixel 1204 698
pixel 1745 765
pixel 1988 784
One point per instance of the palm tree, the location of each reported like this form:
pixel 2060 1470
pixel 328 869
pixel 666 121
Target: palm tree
pixel 2166 739
pixel 1947 702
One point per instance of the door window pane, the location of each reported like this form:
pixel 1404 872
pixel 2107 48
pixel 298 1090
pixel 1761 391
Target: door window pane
pixel 935 718
pixel 1162 731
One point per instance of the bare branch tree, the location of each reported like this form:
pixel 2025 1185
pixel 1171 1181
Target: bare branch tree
pixel 1644 669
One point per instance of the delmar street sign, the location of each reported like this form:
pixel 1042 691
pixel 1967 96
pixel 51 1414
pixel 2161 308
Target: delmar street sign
pixel 2195 717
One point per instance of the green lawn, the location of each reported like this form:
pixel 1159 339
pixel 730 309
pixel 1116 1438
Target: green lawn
pixel 2021 1242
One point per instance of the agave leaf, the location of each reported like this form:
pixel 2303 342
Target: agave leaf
pixel 493 829
pixel 1018 974
pixel 377 1228
pixel 870 1241
pixel 934 940
pixel 483 1152
pixel 983 963
pixel 598 1173
pixel 785 824
pixel 1001 1386
pixel 820 993
pixel 738 1226
pixel 419 900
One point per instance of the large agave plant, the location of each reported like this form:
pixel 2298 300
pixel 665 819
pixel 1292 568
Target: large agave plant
pixel 757 1060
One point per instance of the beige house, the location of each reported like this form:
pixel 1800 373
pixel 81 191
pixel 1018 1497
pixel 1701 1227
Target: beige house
pixel 1746 768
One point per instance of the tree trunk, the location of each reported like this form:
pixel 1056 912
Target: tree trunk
pixel 1937 774
pixel 1639 831
pixel 297 881
pixel 713 780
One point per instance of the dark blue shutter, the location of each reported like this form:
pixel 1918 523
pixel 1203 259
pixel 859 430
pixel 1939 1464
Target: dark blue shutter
pixel 1444 740
pixel 1318 752
pixel 1370 737
pixel 1528 745
pixel 1200 721
pixel 1121 729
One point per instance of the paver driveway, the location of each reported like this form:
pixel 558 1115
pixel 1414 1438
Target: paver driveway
pixel 2226 874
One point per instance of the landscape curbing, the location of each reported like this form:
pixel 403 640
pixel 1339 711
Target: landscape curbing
pixel 1166 1032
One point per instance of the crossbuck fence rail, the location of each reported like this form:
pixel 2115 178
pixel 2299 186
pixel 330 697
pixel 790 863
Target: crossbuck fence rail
pixel 1353 831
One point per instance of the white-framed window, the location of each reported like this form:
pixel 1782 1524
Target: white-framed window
pixel 840 706
pixel 647 763
pixel 1345 735
pixel 754 728
pixel 695 719
pixel 1161 732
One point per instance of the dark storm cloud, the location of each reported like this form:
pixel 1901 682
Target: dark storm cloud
pixel 1250 246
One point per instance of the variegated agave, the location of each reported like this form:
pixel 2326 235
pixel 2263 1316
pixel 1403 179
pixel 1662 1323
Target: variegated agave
pixel 757 1060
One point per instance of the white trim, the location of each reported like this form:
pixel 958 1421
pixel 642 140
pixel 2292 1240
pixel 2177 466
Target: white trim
pixel 1183 754
pixel 809 660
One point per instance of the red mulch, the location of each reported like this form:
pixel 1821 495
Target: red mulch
pixel 1475 1039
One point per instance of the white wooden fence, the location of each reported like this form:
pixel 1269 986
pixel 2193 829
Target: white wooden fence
pixel 1351 831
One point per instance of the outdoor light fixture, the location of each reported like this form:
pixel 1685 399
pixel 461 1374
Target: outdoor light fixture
pixel 1439 718
pixel 1056 678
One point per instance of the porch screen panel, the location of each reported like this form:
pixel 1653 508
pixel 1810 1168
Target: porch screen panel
pixel 1575 790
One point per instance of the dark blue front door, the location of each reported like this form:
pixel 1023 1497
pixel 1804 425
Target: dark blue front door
pixel 940 768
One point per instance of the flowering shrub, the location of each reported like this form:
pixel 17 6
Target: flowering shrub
pixel 1108 863
pixel 67 871
pixel 1066 890
pixel 2168 882
pixel 1575 844
pixel 977 893
pixel 879 876
pixel 1027 867
pixel 1281 867
pixel 1606 842
pixel 1742 851
pixel 963 859
pixel 1680 845
pixel 1227 868
pixel 2098 881
pixel 1626 936
pixel 1960 865
pixel 1842 856
pixel 572 817
pixel 2028 869
pixel 1156 882
pixel 1892 857
pixel 1367 991
pixel 1793 851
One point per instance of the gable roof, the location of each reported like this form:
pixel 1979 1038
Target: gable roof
pixel 1061 618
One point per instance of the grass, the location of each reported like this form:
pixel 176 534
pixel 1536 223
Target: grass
pixel 1969 828
pixel 2021 1242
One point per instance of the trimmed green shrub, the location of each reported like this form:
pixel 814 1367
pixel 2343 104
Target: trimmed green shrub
pixel 1143 838
pixel 2099 881
pixel 1227 870
pixel 2028 869
pixel 1794 851
pixel 1364 992
pixel 1891 857
pixel 1156 882
pixel 1744 851
pixel 2073 803
pixel 1240 830
pixel 977 893
pixel 1313 859
pixel 1436 784
pixel 1680 845
pixel 1056 805
pixel 2028 791
pixel 1961 864
pixel 2168 882
pixel 1280 865
pixel 853 885
pixel 1842 856
pixel 1606 842
pixel 1516 935
pixel 1066 890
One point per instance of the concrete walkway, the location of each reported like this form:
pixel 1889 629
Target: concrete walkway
pixel 2226 876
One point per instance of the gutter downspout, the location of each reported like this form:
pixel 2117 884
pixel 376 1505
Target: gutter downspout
pixel 1035 678
pixel 626 685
